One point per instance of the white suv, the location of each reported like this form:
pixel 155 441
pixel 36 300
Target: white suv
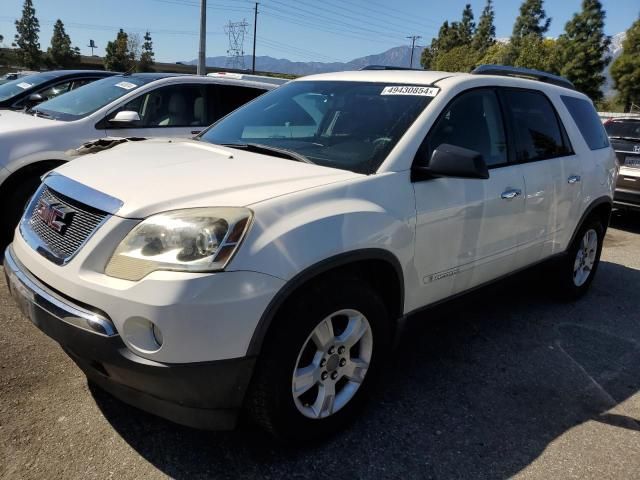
pixel 265 265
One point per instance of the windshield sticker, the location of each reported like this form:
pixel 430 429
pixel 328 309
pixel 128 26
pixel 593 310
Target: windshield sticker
pixel 411 90
pixel 126 85
pixel 24 85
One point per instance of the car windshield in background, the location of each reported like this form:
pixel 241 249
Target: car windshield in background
pixel 87 99
pixel 14 87
pixel 347 125
pixel 623 129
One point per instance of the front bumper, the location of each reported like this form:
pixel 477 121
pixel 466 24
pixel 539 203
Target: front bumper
pixel 204 395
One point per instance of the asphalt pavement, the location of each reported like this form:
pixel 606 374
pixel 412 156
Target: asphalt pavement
pixel 505 382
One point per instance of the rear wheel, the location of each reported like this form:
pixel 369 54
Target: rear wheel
pixel 577 270
pixel 320 362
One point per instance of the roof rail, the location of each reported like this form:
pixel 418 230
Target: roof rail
pixel 387 67
pixel 523 73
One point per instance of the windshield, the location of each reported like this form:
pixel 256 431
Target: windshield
pixel 347 125
pixel 14 87
pixel 623 128
pixel 85 100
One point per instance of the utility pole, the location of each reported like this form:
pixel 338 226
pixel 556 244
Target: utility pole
pixel 202 68
pixel 413 44
pixel 255 29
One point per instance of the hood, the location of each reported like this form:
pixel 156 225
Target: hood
pixel 161 174
pixel 11 121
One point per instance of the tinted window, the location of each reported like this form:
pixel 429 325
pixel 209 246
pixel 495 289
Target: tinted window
pixel 224 99
pixel 588 122
pixel 348 125
pixel 473 121
pixel 624 129
pixel 538 134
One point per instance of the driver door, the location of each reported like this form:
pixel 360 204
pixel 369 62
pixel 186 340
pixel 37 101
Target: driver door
pixel 467 230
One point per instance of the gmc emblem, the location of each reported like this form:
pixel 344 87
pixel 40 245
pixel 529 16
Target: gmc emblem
pixel 55 215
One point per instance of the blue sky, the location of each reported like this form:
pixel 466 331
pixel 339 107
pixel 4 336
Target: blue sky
pixel 305 30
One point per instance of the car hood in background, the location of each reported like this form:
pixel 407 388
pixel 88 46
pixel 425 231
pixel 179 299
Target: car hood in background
pixel 11 121
pixel 162 174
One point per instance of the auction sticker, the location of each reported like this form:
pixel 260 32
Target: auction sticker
pixel 24 85
pixel 126 85
pixel 410 90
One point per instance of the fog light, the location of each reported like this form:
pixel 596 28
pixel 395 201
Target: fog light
pixel 157 334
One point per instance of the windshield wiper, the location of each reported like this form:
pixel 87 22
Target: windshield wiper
pixel 269 150
pixel 39 113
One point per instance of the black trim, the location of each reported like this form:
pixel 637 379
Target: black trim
pixel 341 260
pixel 509 71
pixel 205 395
pixel 592 206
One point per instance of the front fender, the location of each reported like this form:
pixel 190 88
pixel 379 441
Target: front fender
pixel 293 232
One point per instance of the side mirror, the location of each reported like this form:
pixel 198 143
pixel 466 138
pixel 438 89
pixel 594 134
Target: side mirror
pixel 125 116
pixel 451 161
pixel 34 99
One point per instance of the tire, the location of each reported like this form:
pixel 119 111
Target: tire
pixel 295 346
pixel 17 201
pixel 578 267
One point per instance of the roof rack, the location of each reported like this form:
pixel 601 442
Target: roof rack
pixel 387 67
pixel 523 73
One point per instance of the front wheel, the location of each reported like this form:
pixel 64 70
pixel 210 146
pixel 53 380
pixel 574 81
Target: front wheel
pixel 319 363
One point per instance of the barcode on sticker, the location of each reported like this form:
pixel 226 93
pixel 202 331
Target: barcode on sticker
pixel 126 85
pixel 410 90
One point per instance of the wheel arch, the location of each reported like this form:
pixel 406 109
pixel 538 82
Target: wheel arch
pixel 381 269
pixel 27 171
pixel 601 208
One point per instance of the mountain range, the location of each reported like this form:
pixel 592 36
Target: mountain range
pixel 396 56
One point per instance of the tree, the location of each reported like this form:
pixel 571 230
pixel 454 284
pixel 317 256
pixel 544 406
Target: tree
pixel 496 54
pixel 147 55
pixel 61 53
pixel 538 53
pixel 626 68
pixel 485 35
pixel 583 49
pixel 117 55
pixel 458 59
pixel 466 28
pixel 134 44
pixel 531 21
pixel 26 40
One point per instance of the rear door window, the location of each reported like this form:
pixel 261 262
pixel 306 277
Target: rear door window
pixel 588 122
pixel 538 134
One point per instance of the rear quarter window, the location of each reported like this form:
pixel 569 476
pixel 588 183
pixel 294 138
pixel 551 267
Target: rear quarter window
pixel 588 122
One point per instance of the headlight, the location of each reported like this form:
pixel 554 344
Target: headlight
pixel 191 240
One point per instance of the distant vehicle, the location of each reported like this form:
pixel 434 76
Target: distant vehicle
pixel 138 105
pixel 14 76
pixel 30 90
pixel 624 134
pixel 249 77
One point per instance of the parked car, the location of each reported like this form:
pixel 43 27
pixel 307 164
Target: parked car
pixel 138 105
pixel 624 133
pixel 30 90
pixel 7 77
pixel 268 263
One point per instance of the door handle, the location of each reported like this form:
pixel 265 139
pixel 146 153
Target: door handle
pixel 511 194
pixel 573 179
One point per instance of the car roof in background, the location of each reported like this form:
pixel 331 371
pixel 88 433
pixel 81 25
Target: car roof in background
pixel 249 77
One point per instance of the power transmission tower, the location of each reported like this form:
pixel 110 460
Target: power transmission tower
pixel 413 45
pixel 235 54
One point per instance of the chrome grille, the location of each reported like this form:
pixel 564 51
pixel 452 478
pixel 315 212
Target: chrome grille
pixel 79 227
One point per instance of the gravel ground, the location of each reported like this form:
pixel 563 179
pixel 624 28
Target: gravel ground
pixel 505 382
